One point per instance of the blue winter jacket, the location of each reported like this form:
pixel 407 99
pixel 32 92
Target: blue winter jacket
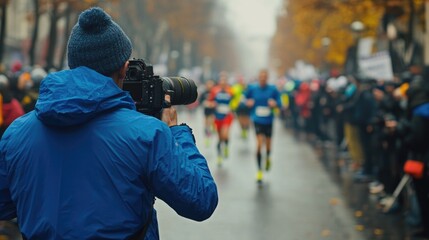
pixel 86 165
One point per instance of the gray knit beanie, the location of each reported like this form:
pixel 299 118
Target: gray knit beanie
pixel 97 42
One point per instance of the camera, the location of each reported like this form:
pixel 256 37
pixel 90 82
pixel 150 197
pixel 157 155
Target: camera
pixel 148 90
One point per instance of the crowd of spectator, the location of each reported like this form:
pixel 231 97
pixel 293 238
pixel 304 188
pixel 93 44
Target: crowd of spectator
pixel 19 90
pixel 380 125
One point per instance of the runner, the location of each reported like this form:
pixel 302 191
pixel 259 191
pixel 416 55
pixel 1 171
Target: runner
pixel 221 96
pixel 263 98
pixel 209 111
pixel 238 105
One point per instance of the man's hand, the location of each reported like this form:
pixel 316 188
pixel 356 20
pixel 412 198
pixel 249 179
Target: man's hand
pixel 272 103
pixel 169 115
pixel 391 124
pixel 209 104
pixel 250 103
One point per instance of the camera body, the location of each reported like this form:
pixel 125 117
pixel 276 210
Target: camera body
pixel 148 90
pixel 144 87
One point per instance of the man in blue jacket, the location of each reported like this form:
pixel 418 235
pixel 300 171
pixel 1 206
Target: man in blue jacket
pixel 85 164
pixel 263 98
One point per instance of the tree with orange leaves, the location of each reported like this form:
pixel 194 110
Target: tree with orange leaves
pixel 307 22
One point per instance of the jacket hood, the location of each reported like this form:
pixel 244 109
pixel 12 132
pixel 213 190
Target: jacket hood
pixel 72 97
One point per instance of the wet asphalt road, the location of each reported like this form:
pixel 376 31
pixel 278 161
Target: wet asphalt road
pixel 309 194
pixel 298 199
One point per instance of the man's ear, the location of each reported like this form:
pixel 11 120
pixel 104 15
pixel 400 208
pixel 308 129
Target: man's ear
pixel 123 71
pixel 119 76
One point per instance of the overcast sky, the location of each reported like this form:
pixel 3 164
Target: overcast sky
pixel 254 23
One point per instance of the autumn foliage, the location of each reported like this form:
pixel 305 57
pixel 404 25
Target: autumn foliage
pixel 304 23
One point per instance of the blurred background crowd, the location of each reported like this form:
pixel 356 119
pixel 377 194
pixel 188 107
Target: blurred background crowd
pixel 353 74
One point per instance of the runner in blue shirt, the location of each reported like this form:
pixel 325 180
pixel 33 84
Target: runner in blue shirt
pixel 263 98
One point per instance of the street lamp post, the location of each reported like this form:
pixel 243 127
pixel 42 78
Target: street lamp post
pixel 426 44
pixel 326 42
pixel 352 65
pixel 357 27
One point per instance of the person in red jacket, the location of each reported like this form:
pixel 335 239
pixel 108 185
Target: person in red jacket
pixel 220 97
pixel 10 108
pixel 302 101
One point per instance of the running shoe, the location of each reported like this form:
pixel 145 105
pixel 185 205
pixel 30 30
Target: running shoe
pixel 219 160
pixel 376 187
pixel 268 164
pixel 226 151
pixel 259 176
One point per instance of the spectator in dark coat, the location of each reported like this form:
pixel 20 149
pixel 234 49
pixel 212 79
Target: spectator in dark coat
pixel 415 130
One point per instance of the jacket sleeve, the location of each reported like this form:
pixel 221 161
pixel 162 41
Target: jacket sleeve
pixel 351 103
pixel 7 207
pixel 248 93
pixel 179 174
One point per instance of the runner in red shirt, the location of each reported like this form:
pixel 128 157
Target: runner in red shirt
pixel 221 96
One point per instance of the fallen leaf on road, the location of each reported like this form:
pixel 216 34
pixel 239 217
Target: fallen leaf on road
pixel 378 231
pixel 360 228
pixel 334 201
pixel 358 214
pixel 325 233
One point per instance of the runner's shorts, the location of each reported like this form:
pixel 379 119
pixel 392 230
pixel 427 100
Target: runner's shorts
pixel 264 129
pixel 209 111
pixel 225 122
pixel 242 110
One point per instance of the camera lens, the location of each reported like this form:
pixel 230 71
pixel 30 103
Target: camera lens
pixel 184 91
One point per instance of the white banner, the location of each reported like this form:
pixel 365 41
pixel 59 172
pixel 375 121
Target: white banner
pixel 365 47
pixel 377 66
